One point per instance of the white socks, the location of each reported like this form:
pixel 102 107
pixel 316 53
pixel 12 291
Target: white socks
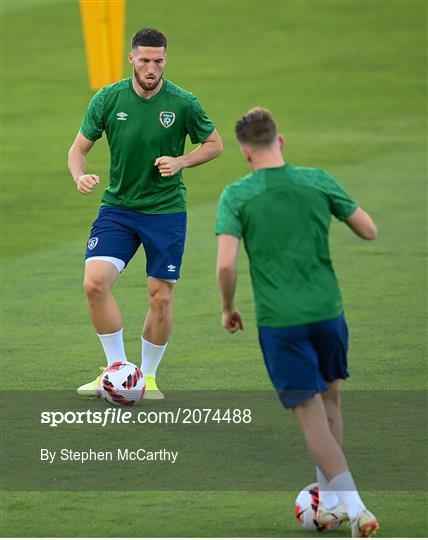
pixel 115 352
pixel 151 357
pixel 344 486
pixel 328 497
pixel 113 347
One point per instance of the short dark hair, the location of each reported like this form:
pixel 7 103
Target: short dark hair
pixel 257 127
pixel 148 37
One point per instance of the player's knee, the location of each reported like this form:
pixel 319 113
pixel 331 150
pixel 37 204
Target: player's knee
pixel 332 398
pixel 160 303
pixel 95 286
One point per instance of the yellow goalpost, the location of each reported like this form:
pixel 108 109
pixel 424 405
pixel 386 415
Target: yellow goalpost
pixel 103 24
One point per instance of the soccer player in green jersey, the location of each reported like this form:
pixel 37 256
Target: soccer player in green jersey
pixel 283 214
pixel 146 119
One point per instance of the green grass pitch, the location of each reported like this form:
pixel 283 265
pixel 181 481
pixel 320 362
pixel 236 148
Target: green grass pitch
pixel 346 82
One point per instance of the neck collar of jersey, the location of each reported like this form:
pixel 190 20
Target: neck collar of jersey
pixel 277 168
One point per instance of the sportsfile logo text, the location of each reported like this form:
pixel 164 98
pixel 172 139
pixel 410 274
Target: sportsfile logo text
pixel 119 416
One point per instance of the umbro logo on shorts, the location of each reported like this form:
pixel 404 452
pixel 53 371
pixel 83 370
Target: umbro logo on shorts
pixel 171 268
pixel 121 115
pixel 92 242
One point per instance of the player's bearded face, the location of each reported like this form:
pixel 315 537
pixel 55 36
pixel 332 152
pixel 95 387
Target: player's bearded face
pixel 148 65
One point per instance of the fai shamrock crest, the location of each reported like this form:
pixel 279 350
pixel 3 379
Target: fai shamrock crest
pixel 92 242
pixel 167 118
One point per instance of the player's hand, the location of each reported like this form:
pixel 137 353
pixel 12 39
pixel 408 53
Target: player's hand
pixel 168 166
pixel 232 321
pixel 86 183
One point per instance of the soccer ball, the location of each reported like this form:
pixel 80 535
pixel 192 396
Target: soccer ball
pixel 306 507
pixel 122 383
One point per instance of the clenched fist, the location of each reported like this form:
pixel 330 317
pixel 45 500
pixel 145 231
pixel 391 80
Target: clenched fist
pixel 168 166
pixel 232 321
pixel 86 183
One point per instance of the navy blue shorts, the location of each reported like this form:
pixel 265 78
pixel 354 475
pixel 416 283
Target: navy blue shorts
pixel 117 233
pixel 301 359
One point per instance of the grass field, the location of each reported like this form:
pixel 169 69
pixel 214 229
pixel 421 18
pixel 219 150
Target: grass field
pixel 347 84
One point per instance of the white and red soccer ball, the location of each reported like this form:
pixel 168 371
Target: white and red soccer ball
pixel 306 507
pixel 122 384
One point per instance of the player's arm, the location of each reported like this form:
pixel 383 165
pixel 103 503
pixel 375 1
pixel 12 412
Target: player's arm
pixel 228 247
pixel 85 183
pixel 362 224
pixel 207 150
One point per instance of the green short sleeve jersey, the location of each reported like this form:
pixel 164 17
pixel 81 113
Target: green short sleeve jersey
pixel 283 215
pixel 138 131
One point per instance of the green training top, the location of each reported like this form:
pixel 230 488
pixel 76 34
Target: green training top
pixel 284 214
pixel 138 131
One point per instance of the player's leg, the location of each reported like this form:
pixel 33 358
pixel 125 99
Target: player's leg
pixel 329 500
pixel 330 339
pixel 158 324
pixel 103 309
pixel 163 238
pixel 111 245
pixel 333 408
pixel 293 365
pixel 331 460
pixel 106 318
pixel 156 332
pixel 321 443
pixel 105 315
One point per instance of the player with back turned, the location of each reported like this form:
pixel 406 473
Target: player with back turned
pixel 146 119
pixel 283 214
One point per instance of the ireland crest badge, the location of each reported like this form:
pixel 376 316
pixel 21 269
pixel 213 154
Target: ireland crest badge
pixel 167 118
